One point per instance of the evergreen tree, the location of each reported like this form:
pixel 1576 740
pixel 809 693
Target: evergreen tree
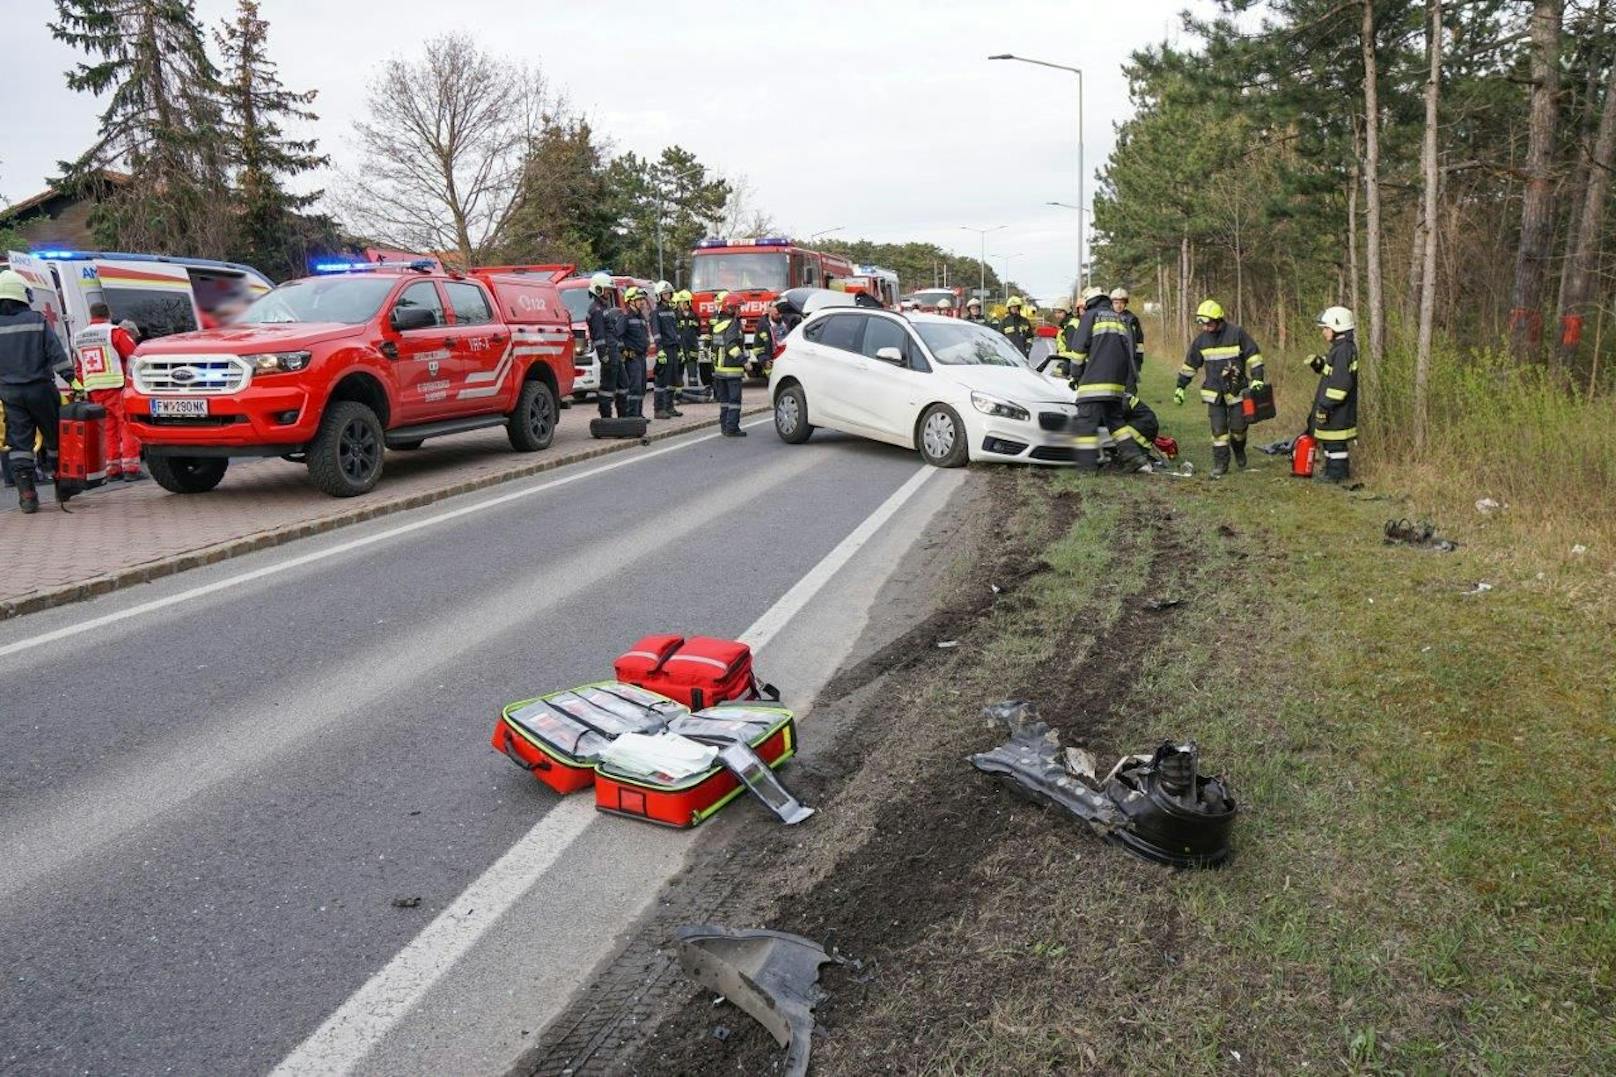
pixel 263 156
pixel 162 122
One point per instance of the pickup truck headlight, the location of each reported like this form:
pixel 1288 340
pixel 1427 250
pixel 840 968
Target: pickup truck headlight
pixel 992 405
pixel 278 362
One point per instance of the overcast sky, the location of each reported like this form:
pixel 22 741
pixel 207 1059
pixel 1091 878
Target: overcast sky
pixel 884 119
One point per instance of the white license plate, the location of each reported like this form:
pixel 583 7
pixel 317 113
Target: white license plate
pixel 180 409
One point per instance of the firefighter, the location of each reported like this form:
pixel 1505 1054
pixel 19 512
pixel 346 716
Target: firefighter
pixel 690 340
pixel 1059 362
pixel 1335 404
pixel 29 353
pixel 729 365
pixel 1015 326
pixel 605 336
pixel 1232 363
pixel 101 353
pixel 770 329
pixel 1119 303
pixel 670 352
pixel 1101 350
pixel 945 307
pixel 973 311
pixel 636 346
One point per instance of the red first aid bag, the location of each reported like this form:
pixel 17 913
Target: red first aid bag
pixel 700 671
pixel 82 447
pixel 558 737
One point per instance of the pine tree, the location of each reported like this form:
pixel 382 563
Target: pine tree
pixel 162 122
pixel 264 157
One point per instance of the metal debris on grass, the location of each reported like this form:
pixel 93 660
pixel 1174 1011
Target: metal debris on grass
pixel 1158 806
pixel 1162 603
pixel 1480 588
pixel 1421 535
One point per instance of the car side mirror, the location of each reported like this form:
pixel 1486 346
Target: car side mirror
pixel 891 355
pixel 407 318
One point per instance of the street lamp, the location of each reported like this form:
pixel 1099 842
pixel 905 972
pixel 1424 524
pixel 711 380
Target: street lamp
pixel 826 232
pixel 1078 71
pixel 1080 211
pixel 661 271
pixel 982 260
pixel 1005 281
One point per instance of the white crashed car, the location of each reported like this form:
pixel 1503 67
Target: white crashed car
pixel 952 389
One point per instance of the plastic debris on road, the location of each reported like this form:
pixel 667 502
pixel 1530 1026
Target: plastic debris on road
pixel 1158 806
pixel 771 975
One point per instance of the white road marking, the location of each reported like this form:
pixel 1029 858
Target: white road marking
pixel 78 628
pixel 341 1043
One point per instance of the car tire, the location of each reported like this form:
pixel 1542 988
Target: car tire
pixel 187 474
pixel 345 457
pixel 532 425
pixel 942 437
pixel 791 416
pixel 407 446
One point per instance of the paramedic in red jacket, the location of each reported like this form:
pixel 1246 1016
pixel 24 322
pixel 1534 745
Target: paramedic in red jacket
pixel 101 353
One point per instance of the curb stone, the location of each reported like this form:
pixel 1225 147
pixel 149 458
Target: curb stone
pixel 263 540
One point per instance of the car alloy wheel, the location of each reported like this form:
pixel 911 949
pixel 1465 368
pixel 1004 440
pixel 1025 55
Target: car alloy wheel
pixel 359 450
pixel 540 417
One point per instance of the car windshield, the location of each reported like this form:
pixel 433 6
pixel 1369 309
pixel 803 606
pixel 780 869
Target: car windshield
pixel 739 272
pixel 351 300
pixel 577 301
pixel 968 344
pixel 930 297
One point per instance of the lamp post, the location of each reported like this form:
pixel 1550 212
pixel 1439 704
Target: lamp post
pixel 825 232
pixel 982 259
pixel 1078 71
pixel 1006 279
pixel 661 271
pixel 1080 212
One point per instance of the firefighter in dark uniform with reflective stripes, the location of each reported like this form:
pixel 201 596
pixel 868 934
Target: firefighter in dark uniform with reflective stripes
pixel 729 365
pixel 689 323
pixel 670 352
pixel 973 311
pixel 1100 348
pixel 1015 326
pixel 1231 362
pixel 1335 404
pixel 606 337
pixel 1119 303
pixel 29 354
pixel 636 349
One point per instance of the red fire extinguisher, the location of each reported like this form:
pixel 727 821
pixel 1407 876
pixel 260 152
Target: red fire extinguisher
pixel 1303 452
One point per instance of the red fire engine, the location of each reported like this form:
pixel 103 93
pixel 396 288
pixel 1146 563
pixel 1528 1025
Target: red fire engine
pixel 759 269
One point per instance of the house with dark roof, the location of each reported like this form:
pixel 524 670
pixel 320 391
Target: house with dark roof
pixel 59 216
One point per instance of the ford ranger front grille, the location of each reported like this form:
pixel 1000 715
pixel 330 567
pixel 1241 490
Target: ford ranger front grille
pixel 197 374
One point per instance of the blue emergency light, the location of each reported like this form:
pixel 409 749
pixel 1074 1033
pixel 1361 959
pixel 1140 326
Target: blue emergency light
pixel 772 241
pixel 713 241
pixel 55 254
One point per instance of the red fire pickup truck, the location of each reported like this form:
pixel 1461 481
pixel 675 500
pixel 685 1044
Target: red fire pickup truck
pixel 330 370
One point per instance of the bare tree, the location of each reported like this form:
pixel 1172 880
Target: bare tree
pixel 1584 260
pixel 443 148
pixel 1377 295
pixel 1537 206
pixel 1422 360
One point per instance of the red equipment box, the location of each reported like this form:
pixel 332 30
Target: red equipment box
pixel 770 729
pixel 700 671
pixel 557 738
pixel 82 461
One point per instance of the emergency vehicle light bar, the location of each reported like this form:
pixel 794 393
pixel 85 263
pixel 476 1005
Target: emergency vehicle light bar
pixel 713 241
pixel 420 265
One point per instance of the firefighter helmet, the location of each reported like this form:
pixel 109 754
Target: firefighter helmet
pixel 1338 319
pixel 683 296
pixel 729 302
pixel 1120 293
pixel 663 288
pixel 973 302
pixel 632 293
pixel 1013 302
pixel 13 287
pixel 1090 294
pixel 1209 311
pixel 599 284
pixel 945 303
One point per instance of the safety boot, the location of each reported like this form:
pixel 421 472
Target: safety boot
pixel 1220 461
pixel 1239 454
pixel 27 492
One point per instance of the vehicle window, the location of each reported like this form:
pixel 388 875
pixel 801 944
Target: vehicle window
pixel 470 303
pixel 884 333
pixel 808 273
pixel 155 313
pixel 349 300
pixel 842 331
pixel 960 343
pixel 422 295
pixel 740 272
pixel 577 301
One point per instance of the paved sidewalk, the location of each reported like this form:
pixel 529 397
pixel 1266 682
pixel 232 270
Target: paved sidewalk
pixel 44 558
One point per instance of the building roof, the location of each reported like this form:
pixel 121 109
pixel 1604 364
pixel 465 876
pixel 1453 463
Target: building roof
pixel 39 203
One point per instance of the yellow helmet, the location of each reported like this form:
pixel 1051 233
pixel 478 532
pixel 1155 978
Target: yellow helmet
pixel 1013 302
pixel 1210 311
pixel 682 296
pixel 634 292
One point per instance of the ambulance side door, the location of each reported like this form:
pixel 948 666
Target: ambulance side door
pixel 156 296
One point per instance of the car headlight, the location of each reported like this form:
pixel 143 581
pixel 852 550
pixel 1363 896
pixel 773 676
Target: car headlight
pixel 992 405
pixel 278 362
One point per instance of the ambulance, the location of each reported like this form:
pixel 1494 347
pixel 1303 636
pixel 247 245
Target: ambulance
pixel 161 295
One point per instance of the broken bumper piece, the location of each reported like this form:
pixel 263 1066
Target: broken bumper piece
pixel 1156 806
pixel 771 975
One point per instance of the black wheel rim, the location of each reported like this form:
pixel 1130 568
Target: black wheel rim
pixel 540 417
pixel 358 450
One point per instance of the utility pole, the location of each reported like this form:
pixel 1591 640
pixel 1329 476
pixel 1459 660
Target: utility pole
pixel 1081 169
pixel 982 258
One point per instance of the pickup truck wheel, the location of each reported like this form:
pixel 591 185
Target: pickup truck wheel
pixel 345 457
pixel 187 474
pixel 533 423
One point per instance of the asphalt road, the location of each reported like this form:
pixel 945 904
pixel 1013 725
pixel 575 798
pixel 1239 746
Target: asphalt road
pixel 210 797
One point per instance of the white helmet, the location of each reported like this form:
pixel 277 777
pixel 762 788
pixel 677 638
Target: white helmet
pixel 1120 293
pixel 13 287
pixel 663 288
pixel 944 303
pixel 1090 294
pixel 600 282
pixel 1338 319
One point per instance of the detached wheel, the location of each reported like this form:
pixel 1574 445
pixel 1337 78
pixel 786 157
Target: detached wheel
pixel 187 474
pixel 791 416
pixel 345 457
pixel 942 437
pixel 533 423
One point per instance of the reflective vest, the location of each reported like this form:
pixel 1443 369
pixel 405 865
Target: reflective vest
pixel 731 358
pixel 95 360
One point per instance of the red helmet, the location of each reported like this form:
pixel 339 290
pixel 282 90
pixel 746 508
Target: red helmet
pixel 732 302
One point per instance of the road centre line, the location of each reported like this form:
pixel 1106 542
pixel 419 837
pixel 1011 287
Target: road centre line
pixel 360 1024
pixel 94 623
